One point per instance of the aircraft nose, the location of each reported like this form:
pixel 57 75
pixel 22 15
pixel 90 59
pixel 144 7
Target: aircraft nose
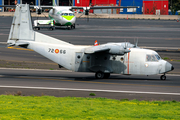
pixel 169 67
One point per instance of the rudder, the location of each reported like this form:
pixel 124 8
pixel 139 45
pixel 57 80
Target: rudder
pixel 54 3
pixel 21 28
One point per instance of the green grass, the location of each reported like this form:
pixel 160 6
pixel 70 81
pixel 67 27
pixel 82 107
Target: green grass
pixel 72 108
pixel 166 58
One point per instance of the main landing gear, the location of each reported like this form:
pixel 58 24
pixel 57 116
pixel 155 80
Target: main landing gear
pixel 163 77
pixel 71 27
pixel 101 75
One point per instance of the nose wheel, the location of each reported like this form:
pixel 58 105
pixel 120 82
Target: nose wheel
pixel 163 77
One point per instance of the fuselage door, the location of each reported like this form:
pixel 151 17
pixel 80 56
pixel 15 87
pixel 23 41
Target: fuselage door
pixel 78 60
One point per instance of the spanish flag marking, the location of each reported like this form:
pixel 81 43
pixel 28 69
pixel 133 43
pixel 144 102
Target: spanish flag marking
pixel 56 50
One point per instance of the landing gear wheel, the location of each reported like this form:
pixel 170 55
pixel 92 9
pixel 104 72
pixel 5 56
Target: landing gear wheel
pixel 163 77
pixel 51 28
pixel 99 75
pixel 106 75
pixel 71 26
pixel 74 26
pixel 38 28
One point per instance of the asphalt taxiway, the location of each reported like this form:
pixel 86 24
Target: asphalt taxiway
pixel 150 33
pixel 67 83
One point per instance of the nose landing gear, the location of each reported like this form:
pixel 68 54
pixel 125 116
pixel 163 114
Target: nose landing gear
pixel 163 77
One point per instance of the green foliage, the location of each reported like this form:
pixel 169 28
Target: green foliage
pixel 166 58
pixel 174 5
pixel 125 99
pixel 92 94
pixel 68 108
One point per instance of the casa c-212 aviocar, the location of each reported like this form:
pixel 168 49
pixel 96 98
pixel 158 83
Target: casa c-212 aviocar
pixel 104 59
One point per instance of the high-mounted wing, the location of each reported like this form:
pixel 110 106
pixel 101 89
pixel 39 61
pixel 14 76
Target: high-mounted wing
pixel 103 7
pixel 94 49
pixel 111 48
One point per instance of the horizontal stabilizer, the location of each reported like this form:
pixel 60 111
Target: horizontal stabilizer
pixel 18 43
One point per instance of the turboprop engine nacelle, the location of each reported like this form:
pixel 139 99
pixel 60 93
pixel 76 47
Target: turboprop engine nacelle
pixel 118 50
pixel 38 10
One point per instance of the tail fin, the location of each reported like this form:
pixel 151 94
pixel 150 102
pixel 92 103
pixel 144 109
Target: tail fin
pixel 21 28
pixel 22 32
pixel 54 3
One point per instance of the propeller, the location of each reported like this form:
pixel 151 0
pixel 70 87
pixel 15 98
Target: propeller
pixel 86 9
pixel 38 10
pixel 135 43
pixel 125 47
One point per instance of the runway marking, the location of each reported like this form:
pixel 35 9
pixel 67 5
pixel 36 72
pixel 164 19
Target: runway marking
pixel 95 90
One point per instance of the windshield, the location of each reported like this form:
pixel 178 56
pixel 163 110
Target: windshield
pixel 66 14
pixel 158 57
pixel 152 57
pixel 71 14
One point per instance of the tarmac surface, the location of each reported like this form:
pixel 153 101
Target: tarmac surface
pixel 150 33
pixel 66 83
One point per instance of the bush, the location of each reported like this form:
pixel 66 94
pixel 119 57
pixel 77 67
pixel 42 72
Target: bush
pixel 92 94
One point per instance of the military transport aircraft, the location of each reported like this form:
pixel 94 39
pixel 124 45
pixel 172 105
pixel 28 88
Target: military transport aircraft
pixel 104 59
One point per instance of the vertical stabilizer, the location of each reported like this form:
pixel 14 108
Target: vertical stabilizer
pixel 21 28
pixel 54 3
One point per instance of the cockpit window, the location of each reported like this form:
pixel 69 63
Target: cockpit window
pixel 148 57
pixel 152 58
pixel 71 14
pixel 66 14
pixel 158 57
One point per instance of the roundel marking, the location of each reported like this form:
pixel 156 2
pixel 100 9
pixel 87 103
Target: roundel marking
pixel 56 50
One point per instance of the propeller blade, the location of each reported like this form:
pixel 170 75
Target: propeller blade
pixel 90 2
pixel 87 18
pixel 81 15
pixel 135 43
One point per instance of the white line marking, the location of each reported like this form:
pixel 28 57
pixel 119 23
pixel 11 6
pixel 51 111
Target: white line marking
pixel 34 69
pixel 95 90
pixel 3 42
